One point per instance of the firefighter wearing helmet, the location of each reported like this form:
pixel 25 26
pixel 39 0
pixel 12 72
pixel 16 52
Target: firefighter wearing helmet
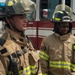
pixel 17 54
pixel 57 51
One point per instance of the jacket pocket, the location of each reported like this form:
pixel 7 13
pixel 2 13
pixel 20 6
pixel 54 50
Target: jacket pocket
pixel 33 55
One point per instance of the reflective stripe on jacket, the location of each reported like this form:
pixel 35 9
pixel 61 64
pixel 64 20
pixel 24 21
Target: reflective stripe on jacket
pixel 27 62
pixel 56 55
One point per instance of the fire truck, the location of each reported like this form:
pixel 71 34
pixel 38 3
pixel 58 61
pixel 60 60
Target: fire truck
pixel 42 26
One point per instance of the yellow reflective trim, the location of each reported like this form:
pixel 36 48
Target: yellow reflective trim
pixel 57 19
pixel 1 73
pixel 33 69
pixel 21 72
pixel 27 69
pixel 10 73
pixel 65 65
pixel 30 69
pixel 58 64
pixel 43 55
pixel 73 67
pixel 74 47
pixel 67 12
pixel 40 74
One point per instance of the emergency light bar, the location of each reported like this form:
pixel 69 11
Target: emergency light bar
pixel 2 4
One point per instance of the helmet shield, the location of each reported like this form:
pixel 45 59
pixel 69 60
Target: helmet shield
pixel 32 6
pixel 62 13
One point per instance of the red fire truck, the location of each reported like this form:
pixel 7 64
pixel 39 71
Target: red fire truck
pixel 37 30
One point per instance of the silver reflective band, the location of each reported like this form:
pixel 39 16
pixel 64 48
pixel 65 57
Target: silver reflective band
pixel 66 20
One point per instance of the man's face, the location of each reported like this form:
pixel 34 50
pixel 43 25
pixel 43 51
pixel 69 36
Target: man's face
pixel 63 28
pixel 20 22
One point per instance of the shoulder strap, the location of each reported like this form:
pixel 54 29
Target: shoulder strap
pixel 73 53
pixel 28 39
pixel 2 41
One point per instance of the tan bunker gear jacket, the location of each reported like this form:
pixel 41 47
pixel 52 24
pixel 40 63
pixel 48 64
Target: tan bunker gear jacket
pixel 18 55
pixel 56 55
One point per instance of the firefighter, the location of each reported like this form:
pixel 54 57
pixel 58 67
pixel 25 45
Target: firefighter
pixel 17 54
pixel 57 49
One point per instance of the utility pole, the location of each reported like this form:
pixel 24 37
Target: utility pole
pixel 37 10
pixel 63 4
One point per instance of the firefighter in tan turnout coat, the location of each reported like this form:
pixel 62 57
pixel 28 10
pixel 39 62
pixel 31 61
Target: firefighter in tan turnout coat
pixel 58 49
pixel 17 55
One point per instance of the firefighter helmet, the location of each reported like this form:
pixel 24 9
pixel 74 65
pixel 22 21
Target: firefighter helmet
pixel 14 7
pixel 62 13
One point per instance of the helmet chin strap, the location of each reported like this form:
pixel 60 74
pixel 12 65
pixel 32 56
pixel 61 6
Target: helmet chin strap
pixel 62 34
pixel 14 27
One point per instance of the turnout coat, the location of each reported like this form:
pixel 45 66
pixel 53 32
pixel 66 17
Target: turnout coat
pixel 18 55
pixel 57 55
